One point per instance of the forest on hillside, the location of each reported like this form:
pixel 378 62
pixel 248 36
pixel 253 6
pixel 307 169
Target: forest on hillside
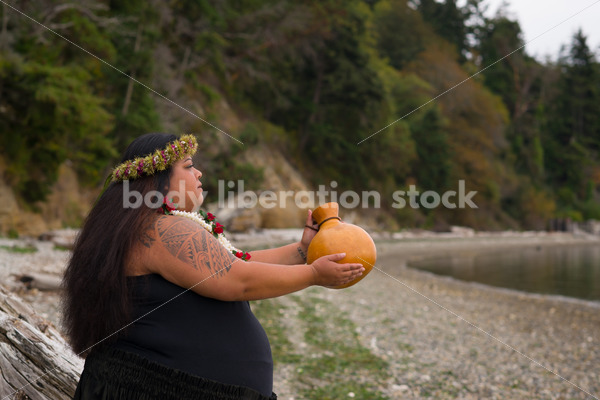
pixel 318 81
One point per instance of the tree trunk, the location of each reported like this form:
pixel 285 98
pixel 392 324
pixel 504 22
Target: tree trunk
pixel 40 281
pixel 35 361
pixel 3 34
pixel 313 115
pixel 129 93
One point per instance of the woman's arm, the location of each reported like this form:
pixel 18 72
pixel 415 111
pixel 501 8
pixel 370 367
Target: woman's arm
pixel 290 254
pixel 287 255
pixel 187 255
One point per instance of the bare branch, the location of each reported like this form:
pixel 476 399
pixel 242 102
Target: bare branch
pixel 87 10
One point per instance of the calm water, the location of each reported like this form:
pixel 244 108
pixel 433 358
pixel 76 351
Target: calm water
pixel 572 271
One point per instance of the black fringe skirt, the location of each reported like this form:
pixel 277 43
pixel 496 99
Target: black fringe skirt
pixel 112 374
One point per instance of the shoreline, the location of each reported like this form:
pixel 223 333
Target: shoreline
pixel 396 256
pixel 549 297
pixel 395 251
pixel 410 322
pixel 445 338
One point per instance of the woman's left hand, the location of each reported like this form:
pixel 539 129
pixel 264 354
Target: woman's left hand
pixel 310 230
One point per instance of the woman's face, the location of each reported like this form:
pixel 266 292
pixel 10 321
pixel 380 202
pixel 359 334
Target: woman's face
pixel 185 188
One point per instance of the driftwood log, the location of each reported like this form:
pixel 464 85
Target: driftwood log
pixel 35 360
pixel 40 281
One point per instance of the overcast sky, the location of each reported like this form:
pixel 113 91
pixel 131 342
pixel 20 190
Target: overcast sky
pixel 537 16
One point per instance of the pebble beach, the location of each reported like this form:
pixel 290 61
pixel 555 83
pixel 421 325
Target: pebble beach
pixel 435 337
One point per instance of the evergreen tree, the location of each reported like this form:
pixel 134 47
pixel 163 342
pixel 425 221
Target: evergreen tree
pixel 433 151
pixel 51 110
pixel 399 31
pixel 517 79
pixel 448 21
pixel 499 38
pixel 573 132
pixel 135 42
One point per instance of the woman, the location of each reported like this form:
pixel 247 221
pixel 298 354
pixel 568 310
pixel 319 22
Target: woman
pixel 158 305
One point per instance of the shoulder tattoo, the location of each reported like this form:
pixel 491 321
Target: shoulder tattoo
pixel 193 246
pixel 147 237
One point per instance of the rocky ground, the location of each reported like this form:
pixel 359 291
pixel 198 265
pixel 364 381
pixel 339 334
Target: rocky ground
pixel 402 333
pixel 438 337
pixel 24 257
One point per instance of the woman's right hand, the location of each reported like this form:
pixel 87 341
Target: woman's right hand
pixel 329 273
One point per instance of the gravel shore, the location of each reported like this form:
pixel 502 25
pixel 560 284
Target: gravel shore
pixel 440 338
pixel 449 339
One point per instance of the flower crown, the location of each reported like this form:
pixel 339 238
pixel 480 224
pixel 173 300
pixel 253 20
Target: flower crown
pixel 160 160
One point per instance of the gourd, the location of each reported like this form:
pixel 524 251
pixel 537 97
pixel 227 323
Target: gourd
pixel 335 236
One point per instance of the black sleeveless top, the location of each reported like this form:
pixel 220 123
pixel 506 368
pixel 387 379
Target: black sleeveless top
pixel 218 340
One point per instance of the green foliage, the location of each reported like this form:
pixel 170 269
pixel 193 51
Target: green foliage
pixel 365 93
pixel 345 358
pixel 501 37
pixel 250 134
pixel 572 145
pixel 533 207
pixel 434 159
pixel 472 123
pixel 270 313
pixel 448 21
pixel 209 93
pixel 27 249
pixel 51 115
pixel 518 80
pixel 234 171
pixel 399 32
pixel 335 362
pixel 61 248
pixel 132 104
pixel 427 154
pixel 330 96
pixel 226 162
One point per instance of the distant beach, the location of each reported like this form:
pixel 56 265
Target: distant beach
pixel 447 339
pixel 438 337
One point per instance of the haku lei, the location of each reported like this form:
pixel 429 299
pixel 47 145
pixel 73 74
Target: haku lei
pixel 208 222
pixel 160 160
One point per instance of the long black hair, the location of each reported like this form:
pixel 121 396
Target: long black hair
pixel 96 297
